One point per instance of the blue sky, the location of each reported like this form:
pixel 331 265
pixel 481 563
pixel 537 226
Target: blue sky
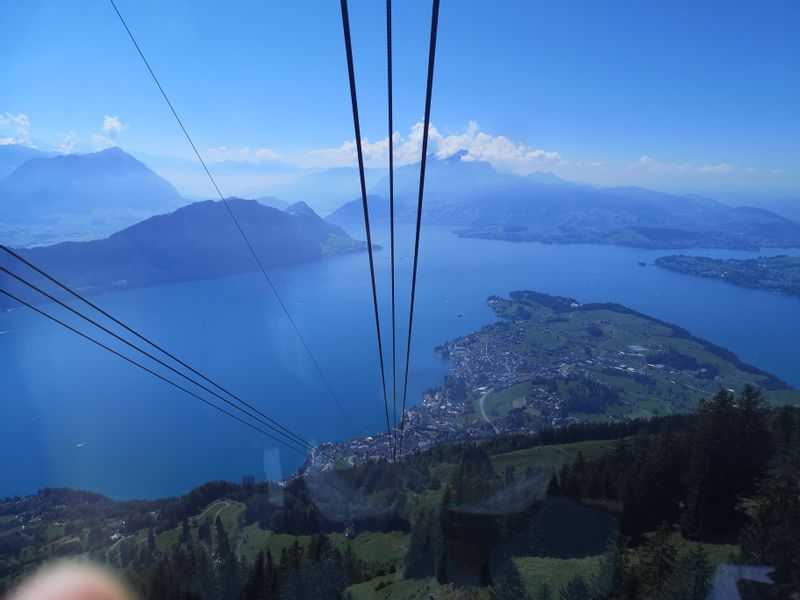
pixel 692 96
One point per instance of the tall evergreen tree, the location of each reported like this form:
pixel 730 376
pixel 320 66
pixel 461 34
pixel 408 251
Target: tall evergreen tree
pixel 186 532
pixel 657 562
pixel 508 582
pixel 691 578
pixel 255 588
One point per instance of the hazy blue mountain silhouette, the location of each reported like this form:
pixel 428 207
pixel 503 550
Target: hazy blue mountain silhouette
pixel 326 190
pixel 273 202
pixel 788 207
pixel 485 203
pixel 198 241
pixel 13 155
pixel 80 183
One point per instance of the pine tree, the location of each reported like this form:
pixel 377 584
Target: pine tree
pixel 186 532
pixel 713 478
pixel 691 578
pixel 508 582
pixel 350 566
pixel 256 585
pixel 626 582
pixel 424 545
pixel 223 544
pixel 204 532
pixel 553 486
pixel 754 438
pixel 657 562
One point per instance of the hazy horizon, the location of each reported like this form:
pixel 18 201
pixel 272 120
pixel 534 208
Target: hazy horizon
pixel 665 106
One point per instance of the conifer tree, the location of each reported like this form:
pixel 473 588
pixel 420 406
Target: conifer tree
pixel 657 562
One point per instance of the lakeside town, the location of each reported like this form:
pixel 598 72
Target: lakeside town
pixel 551 362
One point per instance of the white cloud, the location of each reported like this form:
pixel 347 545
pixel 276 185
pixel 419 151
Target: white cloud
pixel 776 171
pixel 476 145
pixel 66 142
pixel 241 154
pixel 651 165
pixel 112 127
pixel 719 168
pixel 19 127
pixel 266 154
pixel 498 150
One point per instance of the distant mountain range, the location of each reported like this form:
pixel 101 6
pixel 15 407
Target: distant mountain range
pixel 48 199
pixel 79 195
pixel 273 202
pixel 788 207
pixel 13 155
pixel 199 241
pixel 327 190
pixel 484 203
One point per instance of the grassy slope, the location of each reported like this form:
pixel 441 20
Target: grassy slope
pixel 549 334
pixel 387 550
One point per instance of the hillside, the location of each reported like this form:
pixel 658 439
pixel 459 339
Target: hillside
pixel 199 241
pixel 646 509
pixel 79 195
pixel 484 203
pixel 551 361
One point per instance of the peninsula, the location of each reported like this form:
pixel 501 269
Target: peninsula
pixel 780 274
pixel 551 362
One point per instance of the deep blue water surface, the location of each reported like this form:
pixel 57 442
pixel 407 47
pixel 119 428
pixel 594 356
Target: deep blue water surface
pixel 74 415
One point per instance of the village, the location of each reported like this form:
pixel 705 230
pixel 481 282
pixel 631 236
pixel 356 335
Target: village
pixel 548 365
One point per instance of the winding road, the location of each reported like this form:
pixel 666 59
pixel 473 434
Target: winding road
pixel 483 412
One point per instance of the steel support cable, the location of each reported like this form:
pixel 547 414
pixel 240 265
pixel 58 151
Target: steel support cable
pixel 391 213
pixel 269 423
pixel 129 329
pixel 150 371
pixel 357 128
pixel 426 125
pixel 236 221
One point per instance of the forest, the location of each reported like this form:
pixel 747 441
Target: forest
pixel 625 510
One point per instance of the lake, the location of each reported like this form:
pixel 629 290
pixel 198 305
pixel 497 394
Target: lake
pixel 74 415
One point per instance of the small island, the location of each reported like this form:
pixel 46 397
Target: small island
pixel 780 274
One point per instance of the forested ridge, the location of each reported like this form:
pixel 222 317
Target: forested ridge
pixel 641 509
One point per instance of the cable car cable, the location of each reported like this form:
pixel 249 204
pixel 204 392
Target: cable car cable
pixel 161 377
pixel 236 221
pixel 357 128
pixel 142 337
pixel 270 423
pixel 426 126
pixel 391 213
